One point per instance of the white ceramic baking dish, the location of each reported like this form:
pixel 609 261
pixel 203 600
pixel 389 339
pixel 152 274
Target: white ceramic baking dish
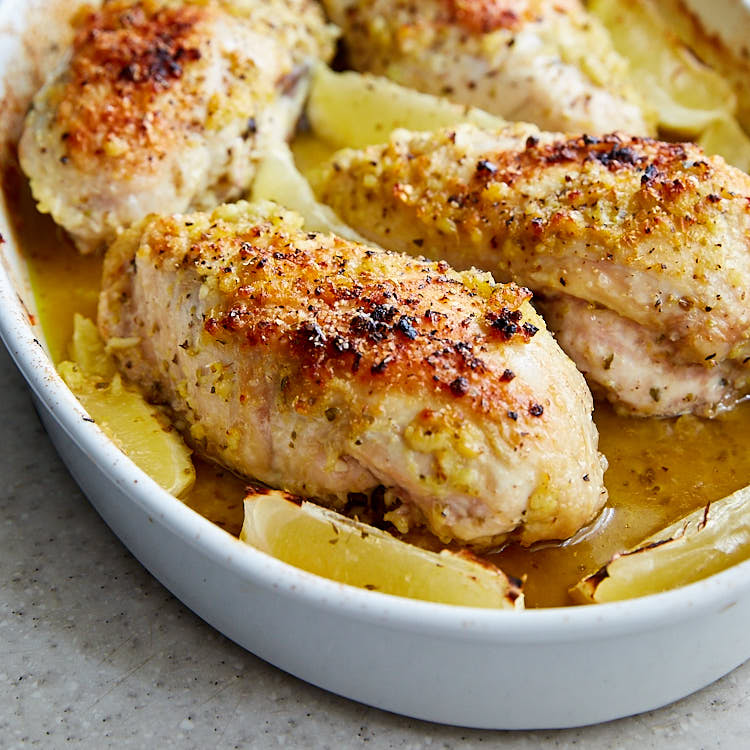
pixel 478 668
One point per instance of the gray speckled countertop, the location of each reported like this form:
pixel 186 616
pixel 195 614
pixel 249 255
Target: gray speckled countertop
pixel 95 653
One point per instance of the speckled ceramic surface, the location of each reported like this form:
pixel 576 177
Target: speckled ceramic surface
pixel 545 668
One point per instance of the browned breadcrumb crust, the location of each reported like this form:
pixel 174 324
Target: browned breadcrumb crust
pixel 558 189
pixel 670 174
pixel 124 53
pixel 657 233
pixel 614 151
pixel 327 302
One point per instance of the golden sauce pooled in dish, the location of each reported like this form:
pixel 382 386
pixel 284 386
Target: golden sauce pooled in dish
pixel 659 469
pixel 64 282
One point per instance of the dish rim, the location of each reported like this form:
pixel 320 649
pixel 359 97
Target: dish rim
pixel 534 625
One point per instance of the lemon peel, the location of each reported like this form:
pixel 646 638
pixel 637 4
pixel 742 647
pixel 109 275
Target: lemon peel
pixel 328 544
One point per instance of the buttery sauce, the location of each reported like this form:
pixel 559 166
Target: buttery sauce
pixel 659 469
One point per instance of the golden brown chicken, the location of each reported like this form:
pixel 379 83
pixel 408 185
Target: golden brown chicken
pixel 326 368
pixel 637 250
pixel 543 61
pixel 165 105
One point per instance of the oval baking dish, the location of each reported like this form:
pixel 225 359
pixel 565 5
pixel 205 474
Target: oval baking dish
pixel 480 668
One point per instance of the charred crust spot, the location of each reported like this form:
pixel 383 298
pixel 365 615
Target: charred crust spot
pixel 235 319
pixel 380 367
pixel 365 326
pixel 596 578
pixel 616 157
pixel 513 415
pixel 459 387
pixel 256 490
pixel 506 323
pixel 704 520
pixel 649 174
pixel 650 545
pixel 405 325
pixel 532 142
pixel 383 313
pixel 312 335
pixel 356 361
pixel 516 588
pixel 159 63
pixel 536 410
pixel 486 166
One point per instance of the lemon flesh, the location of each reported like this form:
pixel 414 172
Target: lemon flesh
pixel 725 136
pixel 705 542
pixel 87 350
pixel 381 106
pixel 335 547
pixel 687 95
pixel 138 428
pixel 279 180
pixel 691 99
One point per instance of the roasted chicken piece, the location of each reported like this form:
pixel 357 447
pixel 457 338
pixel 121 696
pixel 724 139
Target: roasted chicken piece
pixel 543 61
pixel 165 105
pixel 327 368
pixel 637 250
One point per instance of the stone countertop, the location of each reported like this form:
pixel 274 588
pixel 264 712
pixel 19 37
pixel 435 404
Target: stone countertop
pixel 96 653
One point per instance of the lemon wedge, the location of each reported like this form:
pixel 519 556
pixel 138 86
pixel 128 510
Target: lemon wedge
pixel 139 429
pixel 279 180
pixel 724 136
pixel 87 350
pixel 381 106
pixel 686 94
pixel 328 544
pixel 705 542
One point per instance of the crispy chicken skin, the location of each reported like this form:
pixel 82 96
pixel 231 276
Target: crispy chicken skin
pixel 543 61
pixel 636 249
pixel 325 367
pixel 166 105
